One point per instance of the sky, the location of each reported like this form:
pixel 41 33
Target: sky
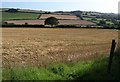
pixel 104 6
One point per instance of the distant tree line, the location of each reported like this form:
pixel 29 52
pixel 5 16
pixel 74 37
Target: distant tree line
pixel 12 10
pixel 116 24
pixel 78 14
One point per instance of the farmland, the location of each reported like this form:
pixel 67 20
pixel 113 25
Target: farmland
pixel 61 22
pixel 24 46
pixel 45 53
pixel 97 20
pixel 29 48
pixel 59 16
pixel 18 15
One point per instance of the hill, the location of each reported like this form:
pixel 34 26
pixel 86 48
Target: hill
pixel 71 17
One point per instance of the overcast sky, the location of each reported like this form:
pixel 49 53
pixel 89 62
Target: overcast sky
pixel 105 6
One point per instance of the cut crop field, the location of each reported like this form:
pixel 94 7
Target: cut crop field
pixel 18 16
pixel 43 46
pixel 61 22
pixel 59 16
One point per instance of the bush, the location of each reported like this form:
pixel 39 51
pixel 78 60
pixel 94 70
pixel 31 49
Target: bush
pixel 7 24
pixel 26 23
pixel 94 19
pixel 102 22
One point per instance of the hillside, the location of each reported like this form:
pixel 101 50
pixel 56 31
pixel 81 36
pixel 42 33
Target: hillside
pixel 23 16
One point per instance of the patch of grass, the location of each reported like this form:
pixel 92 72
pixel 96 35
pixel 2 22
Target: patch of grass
pixel 18 15
pixel 29 73
pixel 97 20
pixel 90 70
pixel 109 22
pixel 85 18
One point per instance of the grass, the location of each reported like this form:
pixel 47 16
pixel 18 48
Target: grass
pixel 109 22
pixel 18 15
pixel 85 18
pixel 97 21
pixel 89 70
pixel 29 73
pixel 90 19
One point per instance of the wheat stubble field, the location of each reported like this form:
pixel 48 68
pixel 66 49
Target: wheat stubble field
pixel 43 46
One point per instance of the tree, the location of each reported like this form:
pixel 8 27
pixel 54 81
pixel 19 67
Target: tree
pixel 94 19
pixel 79 15
pixel 51 21
pixel 102 22
pixel 119 25
pixel 12 10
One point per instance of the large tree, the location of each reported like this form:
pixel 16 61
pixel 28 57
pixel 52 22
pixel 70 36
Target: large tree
pixel 51 21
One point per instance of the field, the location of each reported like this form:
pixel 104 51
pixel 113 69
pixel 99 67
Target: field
pixel 97 20
pixel 61 22
pixel 27 50
pixel 59 16
pixel 24 46
pixel 18 15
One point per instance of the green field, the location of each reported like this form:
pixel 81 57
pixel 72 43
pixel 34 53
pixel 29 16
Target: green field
pixel 18 15
pixel 97 20
pixel 90 19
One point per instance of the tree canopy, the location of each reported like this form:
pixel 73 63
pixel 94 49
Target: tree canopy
pixel 51 21
pixel 102 22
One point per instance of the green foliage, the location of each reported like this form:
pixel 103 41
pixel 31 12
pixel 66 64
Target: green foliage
pixel 51 21
pixel 80 16
pixel 7 24
pixel 119 24
pixel 29 73
pixel 102 22
pixel 94 19
pixel 12 10
pixel 90 70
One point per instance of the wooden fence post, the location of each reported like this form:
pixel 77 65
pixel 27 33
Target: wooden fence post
pixel 111 55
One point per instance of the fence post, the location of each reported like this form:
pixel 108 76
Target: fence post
pixel 111 55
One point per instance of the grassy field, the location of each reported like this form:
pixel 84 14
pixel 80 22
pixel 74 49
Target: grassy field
pixel 32 49
pixel 18 15
pixel 97 21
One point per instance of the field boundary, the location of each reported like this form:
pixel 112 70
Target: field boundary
pixel 59 26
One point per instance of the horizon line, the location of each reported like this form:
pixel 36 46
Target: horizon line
pixel 59 10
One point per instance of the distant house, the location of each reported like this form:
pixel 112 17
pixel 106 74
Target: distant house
pixel 12 10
